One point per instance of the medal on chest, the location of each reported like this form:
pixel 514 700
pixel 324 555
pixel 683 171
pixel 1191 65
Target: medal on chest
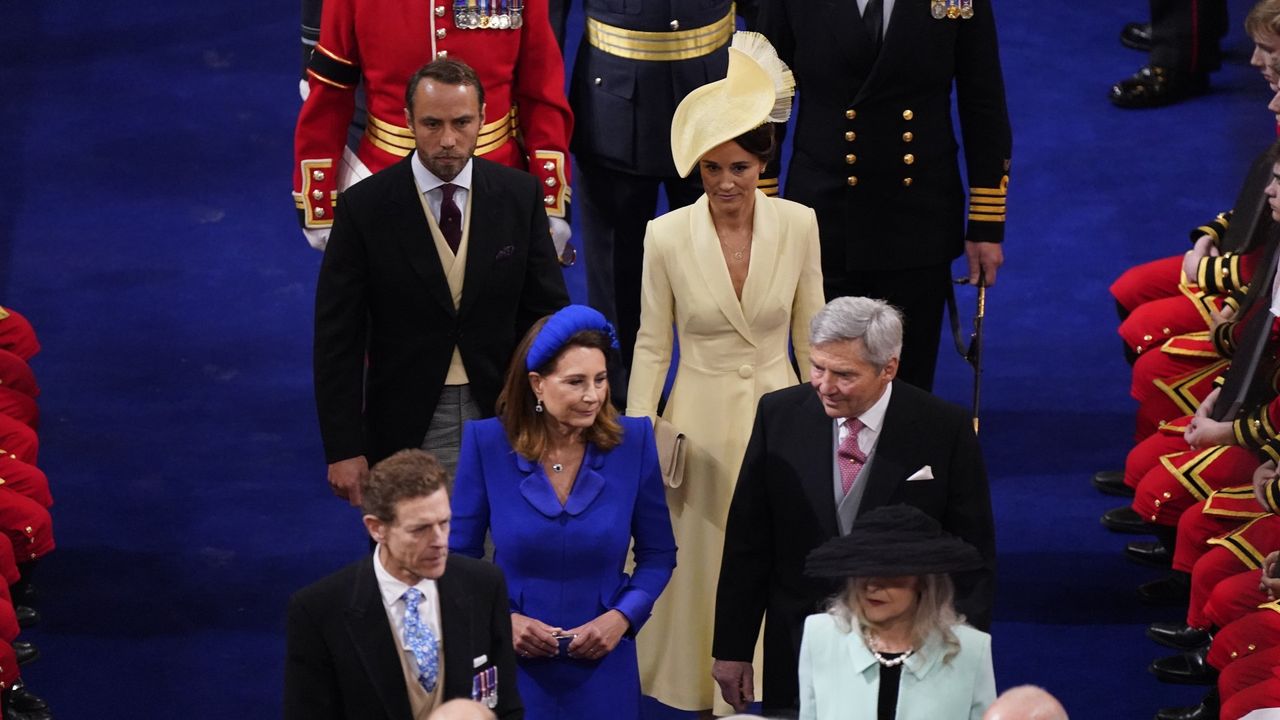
pixel 951 9
pixel 488 14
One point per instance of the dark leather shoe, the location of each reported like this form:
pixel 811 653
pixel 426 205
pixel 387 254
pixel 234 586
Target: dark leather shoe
pixel 1111 482
pixel 1172 590
pixel 1178 636
pixel 1206 710
pixel 1125 520
pixel 1136 36
pixel 25 651
pixel 1188 668
pixel 1149 552
pixel 1153 86
pixel 20 704
pixel 27 616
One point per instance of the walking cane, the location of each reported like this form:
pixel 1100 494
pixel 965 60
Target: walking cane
pixel 972 352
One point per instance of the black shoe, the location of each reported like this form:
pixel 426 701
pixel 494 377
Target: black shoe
pixel 1172 590
pixel 1125 520
pixel 27 616
pixel 1206 710
pixel 1149 552
pixel 1111 482
pixel 1187 668
pixel 1178 636
pixel 26 652
pixel 1154 86
pixel 1136 36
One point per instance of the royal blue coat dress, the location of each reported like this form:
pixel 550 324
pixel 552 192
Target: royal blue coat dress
pixel 565 564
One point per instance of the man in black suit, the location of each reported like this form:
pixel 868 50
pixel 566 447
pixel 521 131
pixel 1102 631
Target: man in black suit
pixel 875 149
pixel 821 455
pixel 400 632
pixel 434 270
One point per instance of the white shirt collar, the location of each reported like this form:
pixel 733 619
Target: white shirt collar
pixel 873 418
pixel 393 589
pixel 427 180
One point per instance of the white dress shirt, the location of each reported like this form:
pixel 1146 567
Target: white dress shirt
pixel 429 184
pixel 872 421
pixel 392 601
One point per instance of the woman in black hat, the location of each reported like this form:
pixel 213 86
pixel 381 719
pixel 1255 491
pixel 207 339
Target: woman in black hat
pixel 890 645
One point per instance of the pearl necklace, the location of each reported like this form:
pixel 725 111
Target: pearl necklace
pixel 873 641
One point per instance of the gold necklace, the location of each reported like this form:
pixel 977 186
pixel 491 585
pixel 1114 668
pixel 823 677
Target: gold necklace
pixel 737 254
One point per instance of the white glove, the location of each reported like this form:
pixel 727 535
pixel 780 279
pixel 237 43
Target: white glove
pixel 317 237
pixel 304 89
pixel 560 234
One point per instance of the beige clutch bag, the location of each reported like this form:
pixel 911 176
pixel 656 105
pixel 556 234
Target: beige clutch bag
pixel 671 449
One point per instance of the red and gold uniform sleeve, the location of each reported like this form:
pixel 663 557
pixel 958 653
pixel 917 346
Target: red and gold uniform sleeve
pixel 1215 228
pixel 321 132
pixel 1256 430
pixel 545 120
pixel 1228 272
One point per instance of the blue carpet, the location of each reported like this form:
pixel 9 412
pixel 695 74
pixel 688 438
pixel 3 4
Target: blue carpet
pixel 147 232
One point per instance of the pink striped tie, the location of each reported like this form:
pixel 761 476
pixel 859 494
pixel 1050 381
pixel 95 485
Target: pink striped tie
pixel 850 457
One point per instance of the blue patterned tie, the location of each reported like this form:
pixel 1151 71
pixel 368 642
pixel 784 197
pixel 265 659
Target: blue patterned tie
pixel 421 641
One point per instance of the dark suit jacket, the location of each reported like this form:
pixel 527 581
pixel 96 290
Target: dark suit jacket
pixel 784 507
pixel 342 661
pixel 382 292
pixel 861 115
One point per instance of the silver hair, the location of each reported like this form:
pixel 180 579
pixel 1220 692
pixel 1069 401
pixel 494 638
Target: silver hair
pixel 877 323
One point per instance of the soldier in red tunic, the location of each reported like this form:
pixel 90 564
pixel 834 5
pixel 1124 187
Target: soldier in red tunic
pixel 380 43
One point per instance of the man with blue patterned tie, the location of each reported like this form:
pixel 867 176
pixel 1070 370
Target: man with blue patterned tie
pixel 395 635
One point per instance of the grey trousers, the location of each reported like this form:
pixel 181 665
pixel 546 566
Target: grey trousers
pixel 444 434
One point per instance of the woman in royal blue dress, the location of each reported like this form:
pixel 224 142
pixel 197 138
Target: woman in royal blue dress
pixel 564 486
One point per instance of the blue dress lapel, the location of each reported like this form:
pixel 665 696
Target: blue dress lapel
pixel 537 491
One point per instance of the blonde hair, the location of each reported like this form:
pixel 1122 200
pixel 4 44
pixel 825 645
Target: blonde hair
pixel 935 612
pixel 1263 19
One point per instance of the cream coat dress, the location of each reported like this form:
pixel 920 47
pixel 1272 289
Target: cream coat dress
pixel 731 353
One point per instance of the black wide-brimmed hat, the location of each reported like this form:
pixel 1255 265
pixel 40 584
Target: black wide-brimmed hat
pixel 892 541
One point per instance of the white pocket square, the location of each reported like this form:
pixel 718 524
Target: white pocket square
pixel 479 661
pixel 924 473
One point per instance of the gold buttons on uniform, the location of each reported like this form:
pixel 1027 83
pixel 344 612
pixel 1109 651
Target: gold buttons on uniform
pixel 1234 655
pixel 908 137
pixel 850 114
pixel 850 159
pixel 850 136
pixel 442 54
pixel 906 182
pixel 317 175
pixel 1252 647
pixel 551 182
pixel 548 166
pixel 1168 495
pixel 1147 338
pixel 908 159
pixel 319 212
pixel 548 199
pixel 675 25
pixel 1166 331
pixel 1153 518
pixel 907 114
pixel 440 33
pixel 853 180
pixel 439 11
pixel 317 195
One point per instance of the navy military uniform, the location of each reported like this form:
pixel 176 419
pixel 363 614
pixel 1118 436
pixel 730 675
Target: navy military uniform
pixel 875 150
pixel 637 62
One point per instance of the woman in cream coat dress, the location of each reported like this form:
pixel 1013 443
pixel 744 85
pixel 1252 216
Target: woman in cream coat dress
pixel 738 274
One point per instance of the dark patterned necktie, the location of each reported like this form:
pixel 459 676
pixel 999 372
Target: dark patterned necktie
pixel 450 217
pixel 850 457
pixel 873 16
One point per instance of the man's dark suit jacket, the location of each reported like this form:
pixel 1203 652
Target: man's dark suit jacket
pixel 343 662
pixel 784 506
pixel 382 292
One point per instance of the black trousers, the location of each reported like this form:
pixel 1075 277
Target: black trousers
pixel 615 206
pixel 921 295
pixel 1185 34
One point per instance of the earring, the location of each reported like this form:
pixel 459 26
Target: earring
pixel 538 408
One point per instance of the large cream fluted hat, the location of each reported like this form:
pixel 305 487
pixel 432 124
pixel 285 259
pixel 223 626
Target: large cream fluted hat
pixel 756 90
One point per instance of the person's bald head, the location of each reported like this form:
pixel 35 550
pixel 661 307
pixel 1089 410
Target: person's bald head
pixel 1025 702
pixel 463 710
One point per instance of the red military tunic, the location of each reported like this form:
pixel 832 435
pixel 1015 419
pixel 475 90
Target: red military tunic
pixel 20 406
pixel 383 43
pixel 25 479
pixel 17 441
pixel 16 334
pixel 16 374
